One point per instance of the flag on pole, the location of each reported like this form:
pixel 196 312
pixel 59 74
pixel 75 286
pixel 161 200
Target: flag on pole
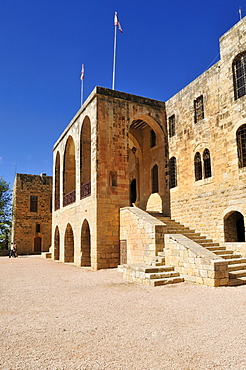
pixel 116 22
pixel 82 73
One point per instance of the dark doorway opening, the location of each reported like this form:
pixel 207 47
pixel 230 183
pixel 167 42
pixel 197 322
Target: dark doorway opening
pixel 133 191
pixel 234 227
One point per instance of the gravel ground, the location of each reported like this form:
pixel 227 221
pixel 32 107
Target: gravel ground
pixel 58 316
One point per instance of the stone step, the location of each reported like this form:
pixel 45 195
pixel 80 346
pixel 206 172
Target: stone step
pixel 237 274
pixel 225 251
pixel 210 244
pixel 239 281
pixel 230 256
pixel 236 260
pixel 162 275
pixel 236 266
pixel 171 280
pixel 156 269
pixel 216 248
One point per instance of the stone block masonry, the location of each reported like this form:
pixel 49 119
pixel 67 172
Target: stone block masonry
pixel 31 213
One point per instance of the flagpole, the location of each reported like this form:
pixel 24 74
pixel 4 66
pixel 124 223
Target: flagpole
pixel 82 92
pixel 82 75
pixel 240 13
pixel 114 61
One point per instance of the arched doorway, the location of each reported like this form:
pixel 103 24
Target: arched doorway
pixel 37 244
pixel 69 245
pixel 234 229
pixel 146 167
pixel 85 244
pixel 57 244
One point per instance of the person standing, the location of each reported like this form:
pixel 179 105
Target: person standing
pixel 13 250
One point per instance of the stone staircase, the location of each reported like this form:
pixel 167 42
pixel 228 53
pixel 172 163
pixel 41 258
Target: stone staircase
pixel 236 263
pixel 154 274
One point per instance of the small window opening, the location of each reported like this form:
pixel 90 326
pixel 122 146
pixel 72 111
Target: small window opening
pixel 207 164
pixel 172 173
pixel 198 166
pixel 155 179
pixel 198 109
pixel 172 128
pixel 33 203
pixel 241 146
pixel 152 138
pixel 113 178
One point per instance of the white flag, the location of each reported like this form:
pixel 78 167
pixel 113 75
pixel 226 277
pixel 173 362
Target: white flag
pixel 116 22
pixel 82 73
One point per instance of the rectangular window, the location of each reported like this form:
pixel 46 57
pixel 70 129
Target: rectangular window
pixel 198 109
pixel 152 138
pixel 33 203
pixel 37 228
pixel 172 129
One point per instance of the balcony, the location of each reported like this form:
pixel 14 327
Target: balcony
pixel 85 190
pixel 69 198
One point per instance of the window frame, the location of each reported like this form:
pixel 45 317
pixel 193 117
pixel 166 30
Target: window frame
pixel 239 77
pixel 33 203
pixel 198 109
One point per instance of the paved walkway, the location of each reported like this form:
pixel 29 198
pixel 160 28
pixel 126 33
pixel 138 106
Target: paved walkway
pixel 58 316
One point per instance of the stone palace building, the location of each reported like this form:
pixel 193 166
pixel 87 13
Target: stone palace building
pixel 158 188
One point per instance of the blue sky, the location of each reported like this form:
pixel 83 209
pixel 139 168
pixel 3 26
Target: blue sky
pixel 164 46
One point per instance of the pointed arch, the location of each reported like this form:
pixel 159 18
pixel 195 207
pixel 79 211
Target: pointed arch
pixel 207 164
pixel 69 244
pixel 57 181
pixel 198 166
pixel 69 173
pixel 85 158
pixel 57 244
pixel 85 244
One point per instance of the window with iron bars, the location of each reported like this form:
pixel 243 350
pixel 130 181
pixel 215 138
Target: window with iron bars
pixel 207 164
pixel 198 166
pixel 198 109
pixel 172 128
pixel 239 75
pixel 241 146
pixel 172 173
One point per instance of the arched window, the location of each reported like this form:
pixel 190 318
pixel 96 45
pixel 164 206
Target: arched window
pixel 207 164
pixel 241 146
pixel 239 75
pixel 57 182
pixel 85 159
pixel 198 166
pixel 154 175
pixel 69 173
pixel 172 173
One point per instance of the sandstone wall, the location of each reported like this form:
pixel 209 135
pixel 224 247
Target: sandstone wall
pixel 24 222
pixel 203 204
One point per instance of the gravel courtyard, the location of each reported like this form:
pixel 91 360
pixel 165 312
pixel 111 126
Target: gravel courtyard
pixel 58 316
